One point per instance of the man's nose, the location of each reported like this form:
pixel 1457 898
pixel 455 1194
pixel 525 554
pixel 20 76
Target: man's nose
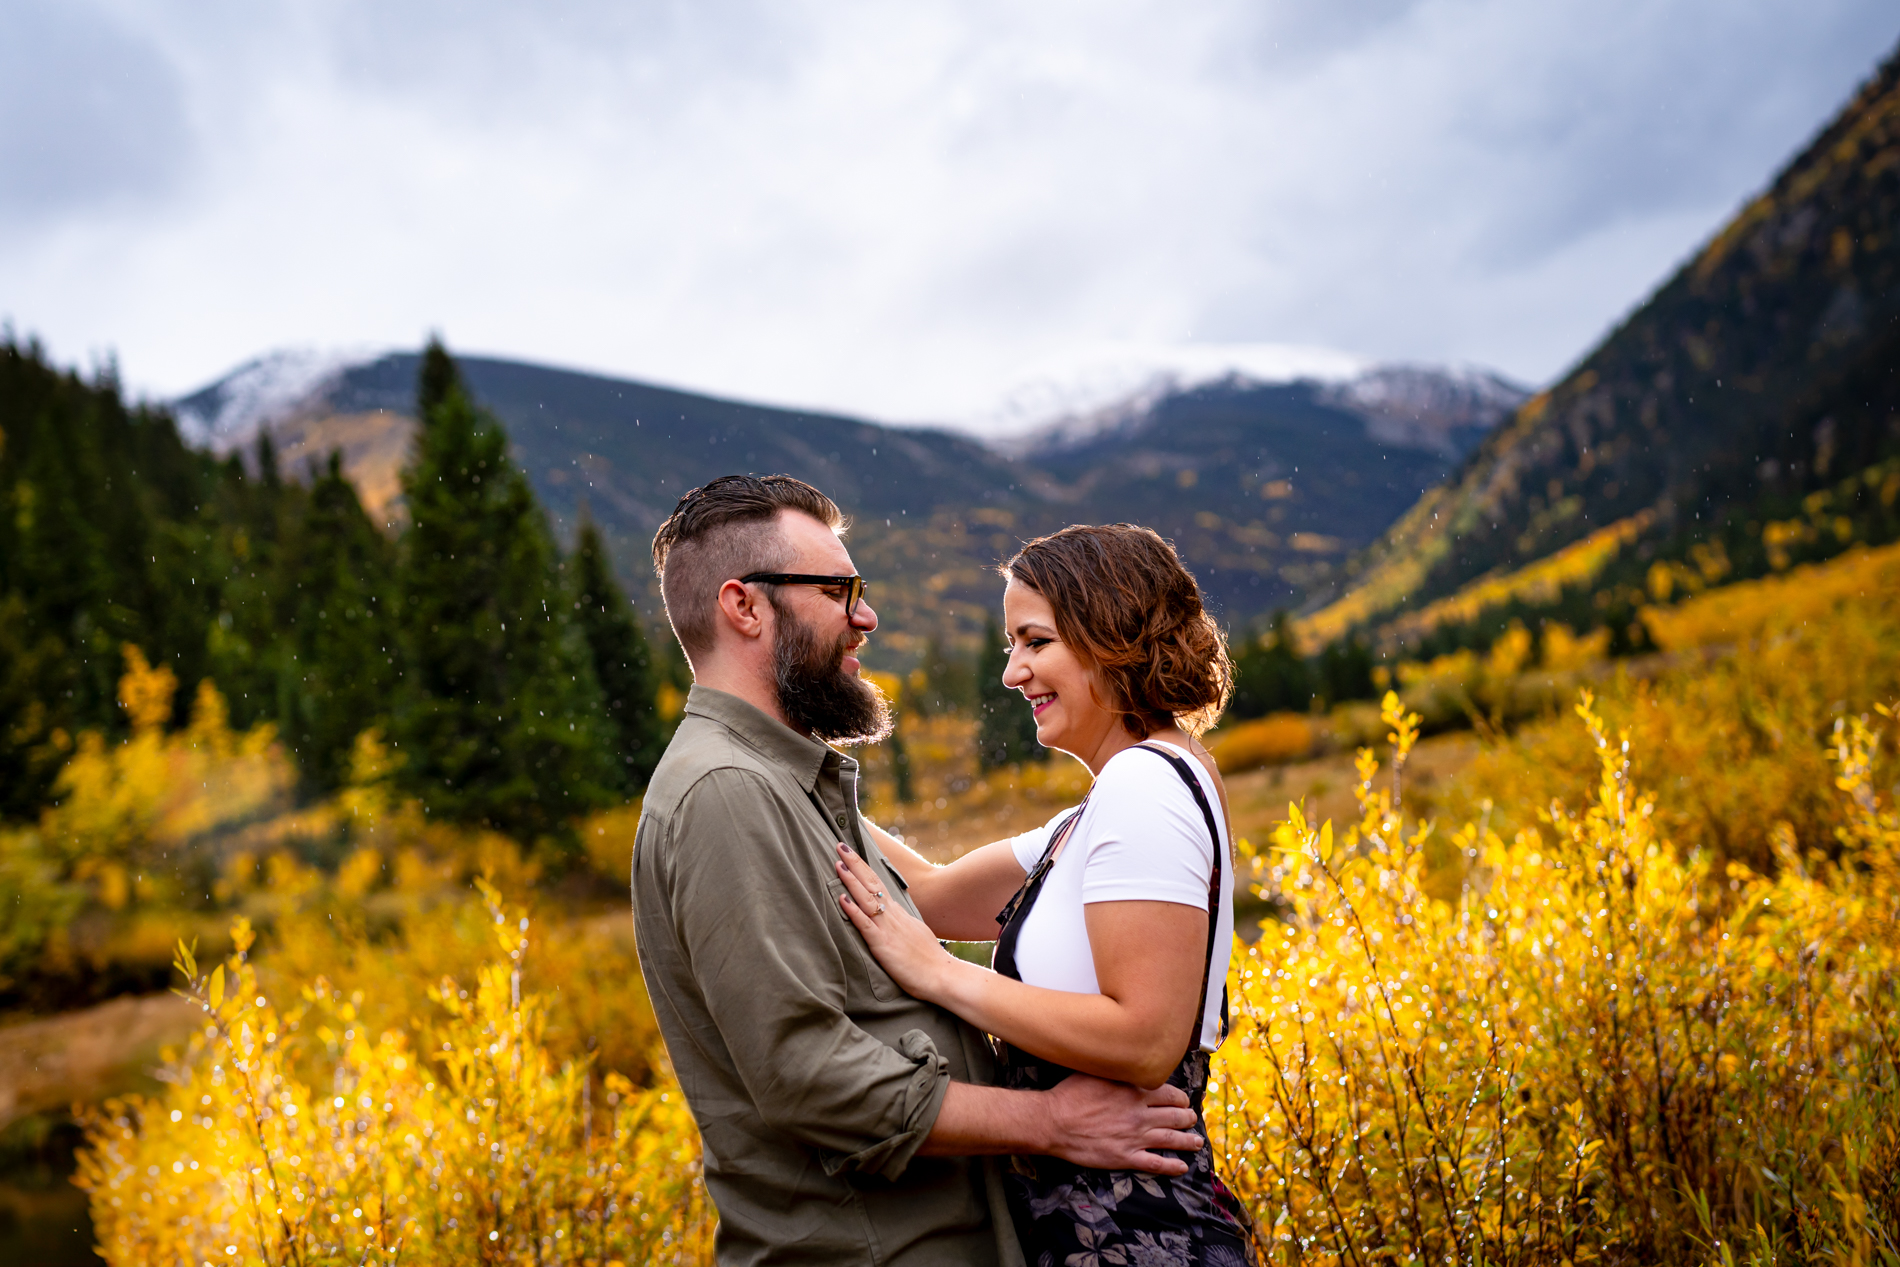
pixel 865 617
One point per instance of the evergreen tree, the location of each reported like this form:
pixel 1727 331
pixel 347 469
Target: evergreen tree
pixel 1006 729
pixel 340 667
pixel 901 772
pixel 499 718
pixel 103 540
pixel 1270 676
pixel 1345 671
pixel 249 641
pixel 622 660
pixel 943 681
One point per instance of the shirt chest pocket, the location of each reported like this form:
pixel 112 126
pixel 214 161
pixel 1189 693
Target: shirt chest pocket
pixel 863 974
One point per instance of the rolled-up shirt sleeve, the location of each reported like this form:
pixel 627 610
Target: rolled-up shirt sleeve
pixel 764 951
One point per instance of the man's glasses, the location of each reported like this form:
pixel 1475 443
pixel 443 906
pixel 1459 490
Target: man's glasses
pixel 850 588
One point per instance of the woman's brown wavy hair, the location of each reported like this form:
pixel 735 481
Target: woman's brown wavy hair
pixel 1126 604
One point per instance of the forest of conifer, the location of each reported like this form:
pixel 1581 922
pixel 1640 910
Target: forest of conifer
pixel 512 681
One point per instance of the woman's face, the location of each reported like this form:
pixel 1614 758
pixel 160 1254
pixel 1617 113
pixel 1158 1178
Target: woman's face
pixel 1052 677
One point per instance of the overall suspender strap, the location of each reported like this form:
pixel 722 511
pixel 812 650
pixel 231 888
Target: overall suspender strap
pixel 1009 921
pixel 1213 897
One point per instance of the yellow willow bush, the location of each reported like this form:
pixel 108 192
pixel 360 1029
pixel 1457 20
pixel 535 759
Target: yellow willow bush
pixel 1272 740
pixel 1602 1051
pixel 100 884
pixel 1811 594
pixel 1732 747
pixel 453 1140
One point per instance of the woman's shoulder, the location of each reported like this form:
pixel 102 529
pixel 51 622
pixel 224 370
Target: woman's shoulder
pixel 1146 766
pixel 1146 838
pixel 1137 786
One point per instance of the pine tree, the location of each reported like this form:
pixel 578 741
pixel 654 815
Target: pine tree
pixel 250 641
pixel 341 643
pixel 499 719
pixel 1345 671
pixel 901 772
pixel 102 541
pixel 1270 676
pixel 1006 729
pixel 622 660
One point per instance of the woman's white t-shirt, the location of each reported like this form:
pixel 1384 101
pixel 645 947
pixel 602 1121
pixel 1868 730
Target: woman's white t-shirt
pixel 1142 838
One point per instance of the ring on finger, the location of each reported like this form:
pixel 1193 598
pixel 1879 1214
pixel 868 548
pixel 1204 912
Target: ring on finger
pixel 880 909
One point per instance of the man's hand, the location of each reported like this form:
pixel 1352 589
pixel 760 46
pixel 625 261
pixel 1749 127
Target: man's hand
pixel 1085 1120
pixel 1113 1126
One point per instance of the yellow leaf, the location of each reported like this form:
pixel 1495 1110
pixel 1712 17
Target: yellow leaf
pixel 217 985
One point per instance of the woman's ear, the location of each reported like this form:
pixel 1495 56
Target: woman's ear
pixel 741 610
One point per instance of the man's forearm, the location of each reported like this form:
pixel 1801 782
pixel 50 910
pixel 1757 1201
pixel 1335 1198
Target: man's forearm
pixel 1107 1125
pixel 985 1121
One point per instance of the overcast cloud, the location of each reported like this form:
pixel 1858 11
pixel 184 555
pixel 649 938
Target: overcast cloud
pixel 897 209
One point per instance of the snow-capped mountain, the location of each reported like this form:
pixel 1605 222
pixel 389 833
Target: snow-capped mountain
pixel 1296 456
pixel 1100 389
pixel 227 415
pixel 1426 406
pixel 1120 391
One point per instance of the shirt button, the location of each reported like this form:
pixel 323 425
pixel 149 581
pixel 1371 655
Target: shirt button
pixel 842 820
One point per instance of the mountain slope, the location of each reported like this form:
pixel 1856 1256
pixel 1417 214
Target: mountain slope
pixel 1764 370
pixel 1265 486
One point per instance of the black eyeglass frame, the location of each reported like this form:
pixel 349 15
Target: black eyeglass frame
pixel 854 585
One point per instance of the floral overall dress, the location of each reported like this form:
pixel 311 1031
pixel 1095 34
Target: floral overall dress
pixel 1073 1216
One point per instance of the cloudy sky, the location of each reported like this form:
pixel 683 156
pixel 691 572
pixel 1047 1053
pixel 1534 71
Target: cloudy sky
pixel 898 209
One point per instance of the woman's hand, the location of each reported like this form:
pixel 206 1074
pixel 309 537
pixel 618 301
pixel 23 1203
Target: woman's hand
pixel 898 940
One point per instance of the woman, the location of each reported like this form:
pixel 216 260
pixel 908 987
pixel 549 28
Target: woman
pixel 1117 917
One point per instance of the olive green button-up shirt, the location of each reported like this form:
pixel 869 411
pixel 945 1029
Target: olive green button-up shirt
pixel 813 1077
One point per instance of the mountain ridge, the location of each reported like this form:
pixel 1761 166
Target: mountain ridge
pixel 935 508
pixel 1760 372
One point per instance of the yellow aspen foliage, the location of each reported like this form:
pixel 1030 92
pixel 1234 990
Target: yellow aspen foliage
pixel 145 693
pixel 1729 736
pixel 1271 740
pixel 1565 652
pixel 455 1139
pixel 607 839
pixel 1603 1050
pixel 155 793
pixel 1511 652
pixel 1808 594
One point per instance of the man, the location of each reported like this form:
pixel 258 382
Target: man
pixel 844 1122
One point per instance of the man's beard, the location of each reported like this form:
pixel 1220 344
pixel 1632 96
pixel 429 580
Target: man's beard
pixel 817 695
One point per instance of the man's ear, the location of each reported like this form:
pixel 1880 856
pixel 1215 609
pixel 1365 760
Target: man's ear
pixel 741 611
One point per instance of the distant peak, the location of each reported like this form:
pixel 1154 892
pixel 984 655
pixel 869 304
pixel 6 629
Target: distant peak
pixel 1424 405
pixel 1095 388
pixel 226 415
pixel 1117 390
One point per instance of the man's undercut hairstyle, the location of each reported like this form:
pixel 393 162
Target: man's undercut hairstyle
pixel 720 532
pixel 1126 604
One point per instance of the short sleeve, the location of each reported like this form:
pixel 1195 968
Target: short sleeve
pixel 1029 846
pixel 1147 839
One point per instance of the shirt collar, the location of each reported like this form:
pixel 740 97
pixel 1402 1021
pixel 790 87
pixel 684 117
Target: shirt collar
pixel 806 758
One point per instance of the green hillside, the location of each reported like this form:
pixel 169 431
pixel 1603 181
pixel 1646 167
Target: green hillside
pixel 1719 432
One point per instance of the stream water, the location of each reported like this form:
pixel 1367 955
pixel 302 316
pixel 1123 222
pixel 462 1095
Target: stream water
pixel 44 1221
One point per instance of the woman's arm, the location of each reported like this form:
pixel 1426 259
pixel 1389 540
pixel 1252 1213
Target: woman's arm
pixel 960 899
pixel 1148 964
